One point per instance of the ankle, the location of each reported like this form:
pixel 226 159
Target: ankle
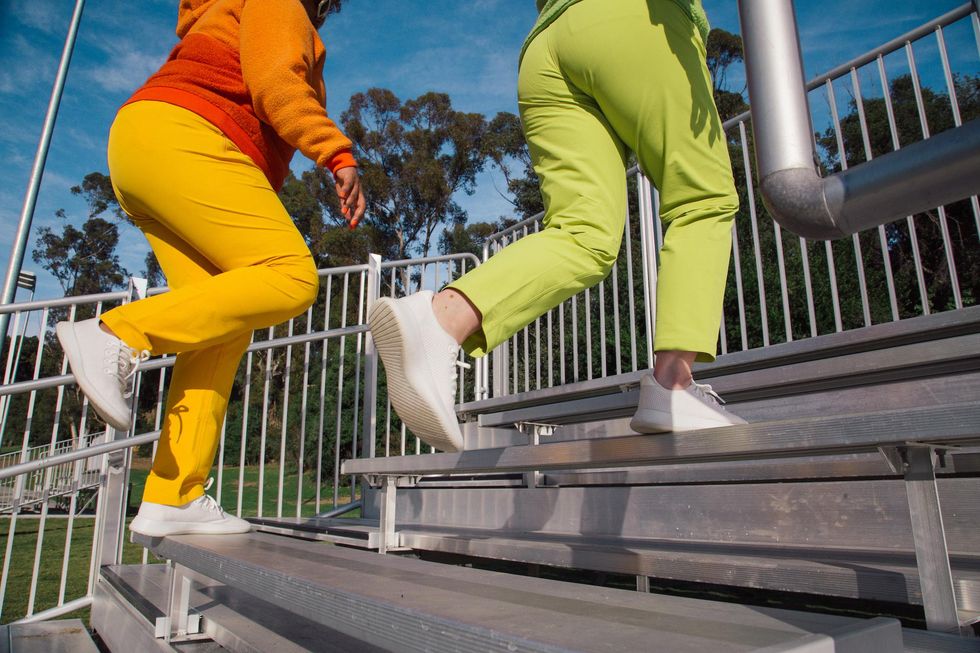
pixel 105 328
pixel 455 314
pixel 672 369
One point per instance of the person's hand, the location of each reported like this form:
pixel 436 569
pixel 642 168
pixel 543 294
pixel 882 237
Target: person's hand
pixel 348 186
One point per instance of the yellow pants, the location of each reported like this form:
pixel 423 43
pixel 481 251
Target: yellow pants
pixel 604 77
pixel 234 262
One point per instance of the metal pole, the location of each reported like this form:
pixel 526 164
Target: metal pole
pixel 931 550
pixel 37 172
pixel 368 434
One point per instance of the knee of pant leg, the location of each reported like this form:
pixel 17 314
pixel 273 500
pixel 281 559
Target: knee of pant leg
pixel 304 281
pixel 602 247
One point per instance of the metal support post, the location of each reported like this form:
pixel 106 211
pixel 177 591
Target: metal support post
pixel 534 439
pixel 37 171
pixel 931 553
pixel 534 431
pixel 112 508
pixel 369 426
pixel 179 624
pixel 386 522
pixel 643 584
pixel 368 436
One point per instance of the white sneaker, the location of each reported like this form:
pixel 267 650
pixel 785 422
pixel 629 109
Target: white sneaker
pixel 104 367
pixel 420 359
pixel 200 516
pixel 695 407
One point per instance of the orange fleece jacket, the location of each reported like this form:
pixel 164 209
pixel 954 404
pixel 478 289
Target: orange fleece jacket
pixel 254 69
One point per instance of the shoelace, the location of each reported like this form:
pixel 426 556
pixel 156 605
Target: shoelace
pixel 705 391
pixel 454 364
pixel 123 362
pixel 209 503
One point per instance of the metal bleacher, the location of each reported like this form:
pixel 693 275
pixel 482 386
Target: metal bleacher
pixel 844 517
pixel 837 496
pixel 855 479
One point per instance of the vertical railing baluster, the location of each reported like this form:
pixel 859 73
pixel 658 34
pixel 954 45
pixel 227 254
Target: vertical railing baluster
pixel 283 433
pixel 909 220
pixel 263 430
pixel 301 467
pixel 943 224
pixel 955 106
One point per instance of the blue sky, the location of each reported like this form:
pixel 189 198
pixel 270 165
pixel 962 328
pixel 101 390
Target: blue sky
pixel 466 49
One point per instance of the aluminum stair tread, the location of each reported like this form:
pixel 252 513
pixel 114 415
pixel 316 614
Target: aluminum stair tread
pixel 61 636
pixel 237 620
pixel 922 329
pixel 361 533
pixel 338 524
pixel 951 424
pixel 873 574
pixel 427 606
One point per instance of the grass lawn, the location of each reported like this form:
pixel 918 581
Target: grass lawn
pixel 24 548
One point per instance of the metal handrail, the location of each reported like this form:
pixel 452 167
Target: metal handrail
pixel 387 265
pixel 155 364
pixel 891 46
pixel 135 441
pixel 37 170
pixel 41 304
pixel 90 452
pixel 881 190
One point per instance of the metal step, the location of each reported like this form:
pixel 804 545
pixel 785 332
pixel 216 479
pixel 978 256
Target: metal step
pixel 924 347
pixel 821 568
pixel 865 574
pixel 949 425
pixel 921 641
pixel 843 467
pixel 360 533
pixel 402 604
pixel 232 619
pixel 63 636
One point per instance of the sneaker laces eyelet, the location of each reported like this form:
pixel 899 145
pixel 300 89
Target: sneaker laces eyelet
pixel 707 392
pixel 128 363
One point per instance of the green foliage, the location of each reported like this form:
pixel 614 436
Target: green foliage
pixel 82 260
pixel 414 157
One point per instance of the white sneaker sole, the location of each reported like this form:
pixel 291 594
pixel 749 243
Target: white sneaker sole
pixel 388 329
pixel 159 528
pixel 72 347
pixel 658 421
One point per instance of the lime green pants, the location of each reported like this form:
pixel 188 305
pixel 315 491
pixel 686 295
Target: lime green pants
pixel 605 77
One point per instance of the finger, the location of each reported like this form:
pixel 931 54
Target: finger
pixel 360 207
pixel 350 201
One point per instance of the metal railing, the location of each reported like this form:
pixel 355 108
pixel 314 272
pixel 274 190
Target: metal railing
pixel 305 398
pixel 932 172
pixel 782 287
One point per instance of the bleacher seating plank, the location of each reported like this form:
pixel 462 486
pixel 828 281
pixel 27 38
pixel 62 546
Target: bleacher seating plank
pixel 405 604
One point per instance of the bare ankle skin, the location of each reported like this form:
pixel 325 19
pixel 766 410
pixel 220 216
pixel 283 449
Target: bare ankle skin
pixel 456 314
pixel 672 369
pixel 105 328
